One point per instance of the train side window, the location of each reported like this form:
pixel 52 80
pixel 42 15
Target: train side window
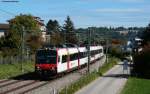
pixel 73 56
pixel 85 54
pixel 64 58
pixel 81 55
pixel 92 53
pixel 100 50
pixel 96 52
pixel 58 59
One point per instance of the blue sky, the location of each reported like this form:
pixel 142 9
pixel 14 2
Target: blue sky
pixel 84 13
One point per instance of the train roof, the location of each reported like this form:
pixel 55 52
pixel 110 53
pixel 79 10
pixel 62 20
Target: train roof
pixel 60 48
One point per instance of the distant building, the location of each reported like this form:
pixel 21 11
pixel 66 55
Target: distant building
pixel 125 32
pixel 4 28
pixel 137 44
pixel 44 36
pixel 40 23
pixel 41 26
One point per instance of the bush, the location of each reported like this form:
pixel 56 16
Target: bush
pixel 141 65
pixel 116 52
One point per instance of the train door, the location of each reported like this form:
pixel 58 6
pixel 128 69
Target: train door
pixel 62 64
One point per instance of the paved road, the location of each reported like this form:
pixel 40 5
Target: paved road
pixel 111 83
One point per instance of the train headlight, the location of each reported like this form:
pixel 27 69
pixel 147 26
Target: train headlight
pixel 53 68
pixel 38 68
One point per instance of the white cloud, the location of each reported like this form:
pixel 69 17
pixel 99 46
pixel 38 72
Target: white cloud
pixel 127 1
pixel 134 17
pixel 130 1
pixel 112 10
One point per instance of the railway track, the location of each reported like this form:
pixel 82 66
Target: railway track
pixel 5 80
pixel 9 86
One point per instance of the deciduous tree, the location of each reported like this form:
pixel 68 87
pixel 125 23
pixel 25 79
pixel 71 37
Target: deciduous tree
pixel 28 25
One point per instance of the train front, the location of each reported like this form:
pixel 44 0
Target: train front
pixel 46 62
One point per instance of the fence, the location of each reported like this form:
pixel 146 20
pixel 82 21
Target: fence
pixel 14 59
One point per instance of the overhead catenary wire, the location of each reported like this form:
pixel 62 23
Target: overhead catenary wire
pixel 4 11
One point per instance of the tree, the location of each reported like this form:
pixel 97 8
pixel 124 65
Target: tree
pixel 56 38
pixel 34 41
pixel 142 59
pixel 53 26
pixel 69 31
pixel 146 36
pixel 30 26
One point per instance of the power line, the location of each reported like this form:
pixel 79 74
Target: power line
pixel 12 14
pixel 10 1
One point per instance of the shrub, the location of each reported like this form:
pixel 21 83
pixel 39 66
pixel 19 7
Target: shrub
pixel 116 52
pixel 141 65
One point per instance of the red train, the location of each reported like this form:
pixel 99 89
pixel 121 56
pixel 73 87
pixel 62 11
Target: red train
pixel 59 60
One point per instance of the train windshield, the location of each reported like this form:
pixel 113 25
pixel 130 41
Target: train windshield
pixel 46 56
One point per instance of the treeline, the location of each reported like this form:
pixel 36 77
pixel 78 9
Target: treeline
pixel 25 34
pixel 110 33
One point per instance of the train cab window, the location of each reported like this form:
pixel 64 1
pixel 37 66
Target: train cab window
pixel 46 56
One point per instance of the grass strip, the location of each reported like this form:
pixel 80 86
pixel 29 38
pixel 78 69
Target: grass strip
pixel 12 70
pixel 137 86
pixel 111 62
pixel 79 83
pixel 86 79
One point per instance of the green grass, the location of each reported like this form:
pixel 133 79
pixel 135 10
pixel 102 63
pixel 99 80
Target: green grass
pixel 83 81
pixel 111 62
pixel 71 89
pixel 137 86
pixel 12 70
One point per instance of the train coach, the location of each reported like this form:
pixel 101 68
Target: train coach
pixel 59 60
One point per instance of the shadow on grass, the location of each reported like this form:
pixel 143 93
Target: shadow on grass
pixel 138 75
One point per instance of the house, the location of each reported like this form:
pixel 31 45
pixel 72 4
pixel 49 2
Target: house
pixel 40 23
pixel 41 26
pixel 3 29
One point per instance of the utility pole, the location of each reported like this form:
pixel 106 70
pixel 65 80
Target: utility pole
pixel 88 49
pixel 106 51
pixel 22 48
